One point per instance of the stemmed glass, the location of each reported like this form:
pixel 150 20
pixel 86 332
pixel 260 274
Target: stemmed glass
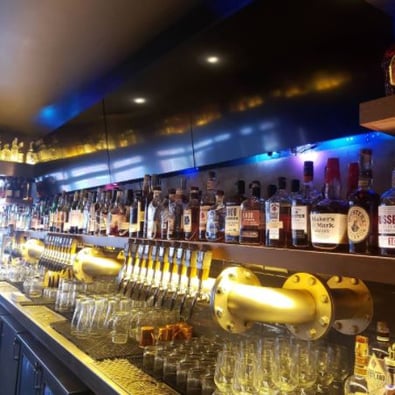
pixel 285 367
pixel 224 371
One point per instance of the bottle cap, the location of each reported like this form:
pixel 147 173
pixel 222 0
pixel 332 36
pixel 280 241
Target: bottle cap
pixel 332 170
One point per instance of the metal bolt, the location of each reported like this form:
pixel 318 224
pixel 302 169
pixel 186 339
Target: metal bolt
pixel 338 325
pixel 312 280
pixel 219 291
pixel 295 278
pixel 324 320
pixel 337 279
pixel 247 275
pixel 355 329
pixel 354 281
pixel 324 299
pixel 219 313
pixel 231 275
pixel 312 333
pixel 230 327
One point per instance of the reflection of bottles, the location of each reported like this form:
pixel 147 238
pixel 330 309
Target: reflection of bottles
pixel 6 153
pixel 387 220
pixel 329 215
pixel 356 383
pixel 363 211
pixel 14 150
pixel 31 156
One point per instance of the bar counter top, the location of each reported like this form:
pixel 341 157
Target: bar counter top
pixel 105 377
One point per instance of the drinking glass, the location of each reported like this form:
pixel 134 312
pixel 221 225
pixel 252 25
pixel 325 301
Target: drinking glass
pixel 325 368
pixel 183 367
pixel 224 371
pixel 194 380
pixel 285 367
pixel 246 376
pixel 98 316
pixel 341 366
pixel 83 318
pixel 120 327
pixel 307 357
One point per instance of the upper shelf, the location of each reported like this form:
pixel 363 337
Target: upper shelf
pixel 368 268
pixel 378 114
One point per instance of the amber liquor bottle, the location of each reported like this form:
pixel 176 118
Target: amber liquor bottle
pixel 207 201
pixel 329 215
pixel 232 214
pixel 362 225
pixel 278 217
pixel 252 216
pixel 387 220
pixel 191 216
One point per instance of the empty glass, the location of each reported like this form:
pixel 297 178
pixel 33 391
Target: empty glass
pixel 224 371
pixel 120 327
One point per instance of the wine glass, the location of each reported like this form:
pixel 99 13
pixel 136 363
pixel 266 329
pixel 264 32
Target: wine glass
pixel 285 367
pixel 224 370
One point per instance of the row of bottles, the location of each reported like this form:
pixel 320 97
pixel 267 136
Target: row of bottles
pixel 305 218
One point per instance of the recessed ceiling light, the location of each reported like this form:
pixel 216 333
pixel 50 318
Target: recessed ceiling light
pixel 139 100
pixel 212 59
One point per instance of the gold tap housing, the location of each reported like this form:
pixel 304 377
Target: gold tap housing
pixel 306 304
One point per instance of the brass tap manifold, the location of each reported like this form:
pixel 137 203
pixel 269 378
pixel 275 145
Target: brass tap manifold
pixel 305 303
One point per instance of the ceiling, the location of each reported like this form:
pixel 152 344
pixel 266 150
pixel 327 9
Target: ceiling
pixel 52 51
pixel 59 57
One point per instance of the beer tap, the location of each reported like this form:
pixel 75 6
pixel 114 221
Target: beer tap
pixel 136 271
pixel 190 270
pixel 178 269
pixel 149 280
pixel 162 266
pixel 126 273
pixel 170 257
pixel 143 271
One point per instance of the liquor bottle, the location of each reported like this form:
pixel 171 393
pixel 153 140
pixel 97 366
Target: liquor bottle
pixel 175 229
pixel 142 210
pixel 376 371
pixel 103 213
pixel 329 215
pixel 126 206
pixel 116 214
pixel 252 216
pixel 301 206
pixel 356 383
pixel 215 226
pixel 74 213
pixel 278 217
pixel 191 216
pixel 207 201
pixel 390 370
pixel 232 214
pixel 295 188
pixel 165 219
pixel 134 220
pixel 89 212
pixel 352 178
pixel 362 217
pixel 387 220
pixel 31 156
pixel 153 214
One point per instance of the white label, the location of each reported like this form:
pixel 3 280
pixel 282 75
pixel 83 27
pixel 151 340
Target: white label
pixel 328 228
pixel 358 224
pixel 299 218
pixel 188 220
pixel 203 211
pixel 232 221
pixel 386 226
pixel 273 223
pixel 376 374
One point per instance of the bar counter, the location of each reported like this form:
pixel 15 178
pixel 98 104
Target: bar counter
pixel 108 377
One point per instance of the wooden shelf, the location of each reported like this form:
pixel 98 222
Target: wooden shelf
pixel 378 269
pixel 378 114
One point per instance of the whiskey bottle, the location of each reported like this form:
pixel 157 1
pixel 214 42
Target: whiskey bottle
pixel 390 369
pixel 207 201
pixel 232 214
pixel 134 220
pixel 175 220
pixel 362 226
pixel 329 215
pixel 191 216
pixel 153 214
pixel 165 218
pixel 116 215
pixel 143 207
pixel 387 220
pixel 215 227
pixel 376 371
pixel 278 217
pixel 301 206
pixel 252 216
pixel 352 178
pixel 356 383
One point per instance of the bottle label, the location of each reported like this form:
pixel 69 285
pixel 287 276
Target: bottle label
pixel 386 226
pixel 232 221
pixel 187 221
pixel 299 218
pixel 328 228
pixel 203 218
pixel 273 222
pixel 376 375
pixel 212 225
pixel 358 224
pixel 250 218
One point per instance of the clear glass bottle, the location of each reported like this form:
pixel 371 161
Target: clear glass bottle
pixel 134 221
pixel 207 201
pixel 278 217
pixel 378 351
pixel 390 369
pixel 153 214
pixel 356 383
pixel 116 215
pixel 215 227
pixel 386 221
pixel 175 220
pixel 252 216
pixel 301 206
pixel 165 220
pixel 232 215
pixel 329 215
pixel 362 217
